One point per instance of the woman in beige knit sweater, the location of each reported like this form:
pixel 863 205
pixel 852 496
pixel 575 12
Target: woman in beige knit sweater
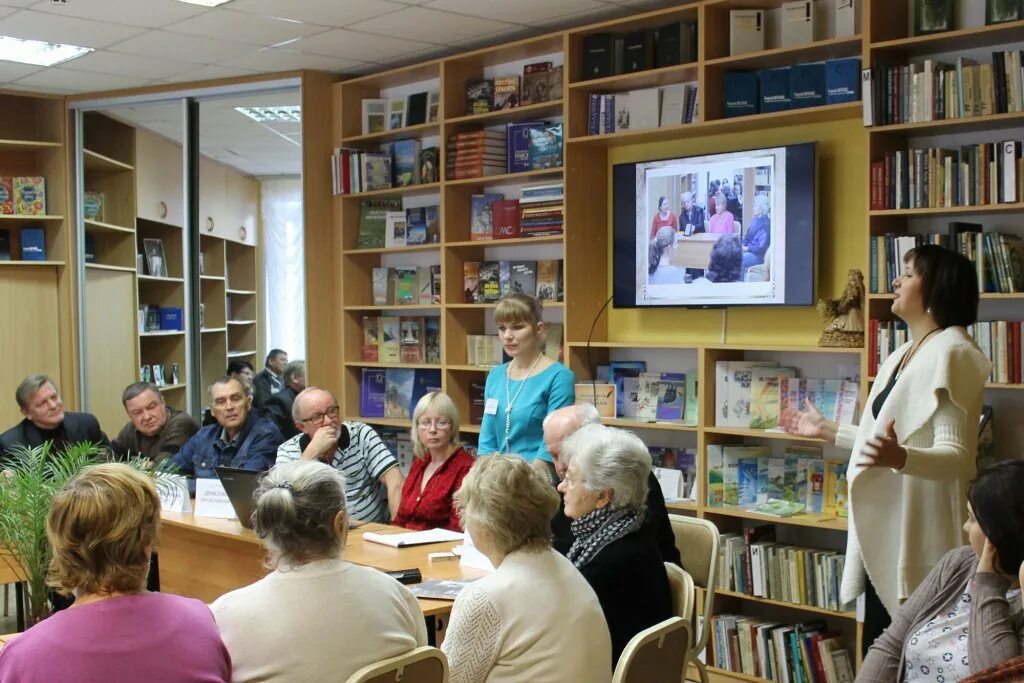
pixel 913 452
pixel 967 615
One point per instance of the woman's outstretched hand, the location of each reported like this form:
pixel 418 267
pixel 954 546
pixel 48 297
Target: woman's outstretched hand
pixel 809 422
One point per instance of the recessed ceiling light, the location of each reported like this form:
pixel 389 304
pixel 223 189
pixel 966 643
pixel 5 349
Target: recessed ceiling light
pixel 205 3
pixel 37 52
pixel 283 114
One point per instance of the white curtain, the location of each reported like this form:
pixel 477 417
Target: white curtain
pixel 284 301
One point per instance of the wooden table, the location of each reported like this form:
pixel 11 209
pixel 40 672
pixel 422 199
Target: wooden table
pixel 205 557
pixel 694 251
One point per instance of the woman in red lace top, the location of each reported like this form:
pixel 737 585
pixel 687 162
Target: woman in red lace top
pixel 437 468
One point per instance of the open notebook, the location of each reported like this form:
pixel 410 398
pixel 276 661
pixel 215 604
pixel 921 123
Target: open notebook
pixel 414 537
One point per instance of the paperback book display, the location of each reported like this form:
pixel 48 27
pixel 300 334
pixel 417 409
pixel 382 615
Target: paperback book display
pixel 669 105
pixel 397 164
pixel 407 285
pixel 22 196
pixel 485 282
pixel 380 114
pixel 154 318
pixel 791 87
pixel 393 339
pixel 609 54
pixel 421 224
pixel 394 392
pixel 485 350
pixel 540 82
pixel 676 470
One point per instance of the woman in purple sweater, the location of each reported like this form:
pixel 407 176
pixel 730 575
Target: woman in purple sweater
pixel 103 527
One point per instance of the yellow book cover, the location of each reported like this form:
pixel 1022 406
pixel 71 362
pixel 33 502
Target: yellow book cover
pixel 602 396
pixel 29 195
pixel 836 488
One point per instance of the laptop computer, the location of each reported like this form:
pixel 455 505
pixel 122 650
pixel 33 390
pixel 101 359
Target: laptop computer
pixel 240 485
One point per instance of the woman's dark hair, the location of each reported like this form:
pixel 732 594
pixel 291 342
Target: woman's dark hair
pixel 949 284
pixel 726 260
pixel 661 200
pixel 995 497
pixel 665 236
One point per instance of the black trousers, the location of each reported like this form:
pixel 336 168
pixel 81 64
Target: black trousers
pixel 876 618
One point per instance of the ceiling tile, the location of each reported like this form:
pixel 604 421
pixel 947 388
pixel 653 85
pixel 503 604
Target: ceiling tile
pixel 12 71
pixel 103 61
pixel 362 47
pixel 56 29
pixel 322 12
pixel 251 28
pixel 21 3
pixel 7 11
pixel 166 45
pixel 280 59
pixel 47 90
pixel 80 81
pixel 204 73
pixel 519 12
pixel 442 27
pixel 145 13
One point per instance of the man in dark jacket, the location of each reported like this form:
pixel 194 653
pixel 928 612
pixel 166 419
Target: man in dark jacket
pixel 240 438
pixel 46 420
pixel 269 382
pixel 154 430
pixel 279 407
pixel 557 427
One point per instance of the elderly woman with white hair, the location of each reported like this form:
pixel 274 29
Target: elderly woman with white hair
pixel 759 234
pixel 315 617
pixel 605 490
pixel 534 618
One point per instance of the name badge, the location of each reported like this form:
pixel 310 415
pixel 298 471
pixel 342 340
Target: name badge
pixel 491 406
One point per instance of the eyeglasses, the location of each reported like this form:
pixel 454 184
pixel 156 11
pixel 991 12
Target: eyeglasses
pixel 331 412
pixel 441 424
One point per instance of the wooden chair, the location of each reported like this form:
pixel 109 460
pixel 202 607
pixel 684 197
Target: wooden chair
pixel 681 584
pixel 422 665
pixel 655 655
pixel 697 541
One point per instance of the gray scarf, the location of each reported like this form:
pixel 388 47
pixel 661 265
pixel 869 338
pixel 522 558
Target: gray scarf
pixel 595 530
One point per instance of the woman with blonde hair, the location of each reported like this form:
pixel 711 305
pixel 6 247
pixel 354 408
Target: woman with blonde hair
pixel 534 618
pixel 315 617
pixel 439 466
pixel 103 527
pixel 519 394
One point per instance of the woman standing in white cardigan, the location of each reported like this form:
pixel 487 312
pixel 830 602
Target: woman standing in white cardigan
pixel 914 451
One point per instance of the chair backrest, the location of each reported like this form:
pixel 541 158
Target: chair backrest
pixel 655 655
pixel 422 665
pixel 737 227
pixel 697 541
pixel 681 584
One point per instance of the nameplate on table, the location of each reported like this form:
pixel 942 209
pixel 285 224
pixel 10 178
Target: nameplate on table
pixel 212 500
pixel 413 537
pixel 173 490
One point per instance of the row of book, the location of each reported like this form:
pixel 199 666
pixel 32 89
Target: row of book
pixel 380 114
pixel 485 350
pixel 159 374
pixel 971 175
pixel 399 164
pixel 540 82
pixel 791 87
pixel 648 397
pixel 669 105
pixel 797 23
pixel 609 54
pixel 394 392
pixel 515 148
pixel 884 337
pixel 753 563
pixel 934 91
pixel 539 212
pixel 22 196
pixel 747 476
pixel 486 282
pixel 407 286
pixel 998 257
pixel 153 318
pixel 753 394
pixel 1000 341
pixel 784 653
pixel 404 339
pixel 384 223
pixel 32 244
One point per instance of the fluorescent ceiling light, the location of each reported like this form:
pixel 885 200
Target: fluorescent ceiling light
pixel 205 3
pixel 291 113
pixel 37 52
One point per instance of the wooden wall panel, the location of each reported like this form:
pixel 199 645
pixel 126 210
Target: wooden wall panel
pixel 111 360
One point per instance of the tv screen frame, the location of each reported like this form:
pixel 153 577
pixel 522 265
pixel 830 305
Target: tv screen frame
pixel 795 246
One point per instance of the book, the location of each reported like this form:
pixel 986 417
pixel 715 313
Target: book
pixel 1002 11
pixel 433 106
pixel 396 113
pixel 797 23
pixel 470 281
pixel 33 244
pixel 932 16
pixel 398 392
pixel 171 318
pixel 394 233
pixel 506 92
pixel 372 388
pixel 778 508
pixel 740 92
pixel 523 277
pixel 405 166
pixel 432 339
pixel 382 293
pixel 29 195
pixel 416 109
pixel 505 218
pixel 601 396
pixel 807 84
pixel 517 141
pixel 617 370
pixel 375 115
pixel 598 56
pixel 92 206
pixel 837 493
pixel 842 79
pixel 428 165
pixel 548 279
pixel 746 31
pixel 416 226
pixel 411 538
pixel 489 282
pixel 440 589
pixel 476 402
pixel 846 18
pixel 411 334
pixel 554 338
pixel 424 382
pixel 5 244
pixel 644 108
pixel 775 88
pixel 716 480
pixel 479 95
pixel 390 330
pixel 667 45
pixel 546 147
pixel 481 221
pixel 637 51
pixel 6 195
pixel 370 350
pixel 764 396
pixel 406 285
pixel 671 390
pixel 534 89
pixel 376 171
pixel 373 221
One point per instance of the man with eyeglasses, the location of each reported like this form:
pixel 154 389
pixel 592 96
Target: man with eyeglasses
pixel 373 482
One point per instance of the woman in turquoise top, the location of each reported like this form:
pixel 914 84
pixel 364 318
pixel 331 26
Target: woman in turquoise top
pixel 520 394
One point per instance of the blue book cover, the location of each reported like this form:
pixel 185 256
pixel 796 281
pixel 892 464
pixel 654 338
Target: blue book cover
pixel 33 244
pixel 671 396
pixel 517 142
pixel 842 80
pixel 807 85
pixel 747 475
pixel 593 114
pixel 416 226
pixel 405 162
pixel 424 381
pixel 545 146
pixel 740 93
pixel 617 370
pixel 398 392
pixel 372 389
pixel 171 318
pixel 775 90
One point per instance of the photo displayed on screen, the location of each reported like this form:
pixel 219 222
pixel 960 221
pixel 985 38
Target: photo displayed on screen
pixel 710 229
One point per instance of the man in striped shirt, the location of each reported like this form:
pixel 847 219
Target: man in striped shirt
pixel 373 482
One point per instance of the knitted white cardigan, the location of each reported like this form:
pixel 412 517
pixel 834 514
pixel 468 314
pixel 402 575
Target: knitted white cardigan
pixel 902 522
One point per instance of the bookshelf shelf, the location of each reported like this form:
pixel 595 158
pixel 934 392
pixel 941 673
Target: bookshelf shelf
pixel 241 322
pixel 962 125
pixel 541 110
pixel 393 250
pixel 1011 387
pixel 94 161
pixel 419 131
pixel 952 41
pixel 626 423
pixel 407 191
pixel 212 278
pixel 30 145
pixel 411 366
pixel 634 345
pixel 23 217
pixel 759 434
pixel 243 292
pixel 808 520
pixel 1014 207
pixel 650 78
pixel 107 227
pixel 153 278
pixel 240 354
pixel 784 348
pixel 31 263
pixel 735 675
pixel 469 368
pixel 162 333
pixel 831 48
pixel 172 387
pixel 394 307
pixel 400 423
pixel 103 266
pixel 781 603
pixel 519 241
pixel 507 177
pixel 547 304
pixel 210 330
